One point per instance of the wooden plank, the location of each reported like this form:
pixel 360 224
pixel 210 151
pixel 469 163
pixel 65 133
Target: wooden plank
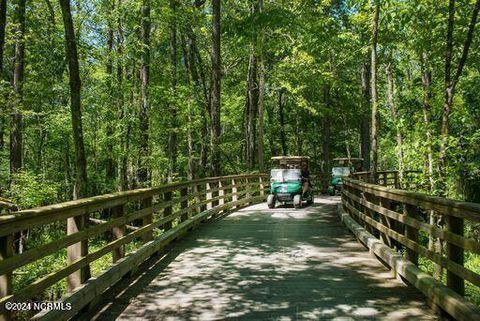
pixel 167 197
pixel 465 243
pixel 29 256
pixel 118 232
pixel 208 195
pixel 147 219
pixel 448 300
pixel 456 254
pixel 77 251
pixel 87 292
pixel 434 257
pixel 469 211
pixel 184 203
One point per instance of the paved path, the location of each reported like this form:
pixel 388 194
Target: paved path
pixel 262 264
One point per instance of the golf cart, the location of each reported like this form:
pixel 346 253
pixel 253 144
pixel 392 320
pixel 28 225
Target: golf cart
pixel 343 167
pixel 289 181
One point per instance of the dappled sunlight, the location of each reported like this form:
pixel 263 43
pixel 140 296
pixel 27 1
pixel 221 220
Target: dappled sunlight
pixel 281 264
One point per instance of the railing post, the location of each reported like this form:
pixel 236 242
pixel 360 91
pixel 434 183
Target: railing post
pixel 118 232
pixel 386 203
pixel 261 186
pixel 183 193
pixel 397 181
pixel 6 251
pixel 208 195
pixel 248 186
pixel 234 192
pixel 455 254
pixel 411 233
pixel 147 219
pixel 76 251
pixel 221 193
pixel 167 211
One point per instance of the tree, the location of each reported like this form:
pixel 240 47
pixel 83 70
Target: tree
pixel 143 172
pixel 373 87
pixel 451 83
pixel 216 85
pixel 16 133
pixel 77 223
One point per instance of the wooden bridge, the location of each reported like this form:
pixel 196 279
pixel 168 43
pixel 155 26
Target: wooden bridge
pixel 210 249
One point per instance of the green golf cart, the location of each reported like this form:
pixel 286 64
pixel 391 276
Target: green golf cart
pixel 343 167
pixel 289 181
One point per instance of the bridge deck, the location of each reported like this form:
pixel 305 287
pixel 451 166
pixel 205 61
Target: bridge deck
pixel 261 264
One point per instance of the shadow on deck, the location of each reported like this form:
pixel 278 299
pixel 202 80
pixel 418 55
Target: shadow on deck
pixel 262 264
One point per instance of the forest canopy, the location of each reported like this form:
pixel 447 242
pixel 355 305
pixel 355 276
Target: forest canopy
pixel 105 95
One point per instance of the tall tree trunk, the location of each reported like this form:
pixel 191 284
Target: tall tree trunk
pixel 365 120
pixel 122 166
pixel 3 23
pixel 426 81
pixel 78 223
pixel 373 81
pixel 215 101
pixel 326 131
pixel 16 133
pixel 395 120
pixel 143 171
pixel 172 137
pixel 261 95
pixel 110 163
pixel 251 109
pixel 283 138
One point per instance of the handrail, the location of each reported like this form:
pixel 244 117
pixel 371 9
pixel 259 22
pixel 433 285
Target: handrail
pixel 172 208
pixel 396 217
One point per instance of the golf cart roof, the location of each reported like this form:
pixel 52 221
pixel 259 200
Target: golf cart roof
pixel 292 161
pixel 352 159
pixel 290 157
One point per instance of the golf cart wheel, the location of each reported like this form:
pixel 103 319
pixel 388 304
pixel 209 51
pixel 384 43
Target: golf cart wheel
pixel 310 200
pixel 297 201
pixel 271 201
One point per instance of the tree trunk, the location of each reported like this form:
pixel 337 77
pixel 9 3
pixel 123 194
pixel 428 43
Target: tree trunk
pixel 373 81
pixel 143 172
pixel 110 164
pixel 3 23
pixel 16 133
pixel 261 95
pixel 215 101
pixel 326 131
pixel 395 120
pixel 78 223
pixel 426 81
pixel 172 137
pixel 251 110
pixel 365 120
pixel 283 138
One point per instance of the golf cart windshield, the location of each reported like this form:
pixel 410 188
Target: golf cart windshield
pixel 341 171
pixel 285 175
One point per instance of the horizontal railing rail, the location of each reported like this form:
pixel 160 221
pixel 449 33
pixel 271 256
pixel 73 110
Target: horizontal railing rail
pixel 126 220
pixel 400 219
pixel 392 178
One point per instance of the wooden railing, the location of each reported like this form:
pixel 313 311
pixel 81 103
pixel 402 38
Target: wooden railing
pixel 156 217
pixel 391 178
pixel 385 218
